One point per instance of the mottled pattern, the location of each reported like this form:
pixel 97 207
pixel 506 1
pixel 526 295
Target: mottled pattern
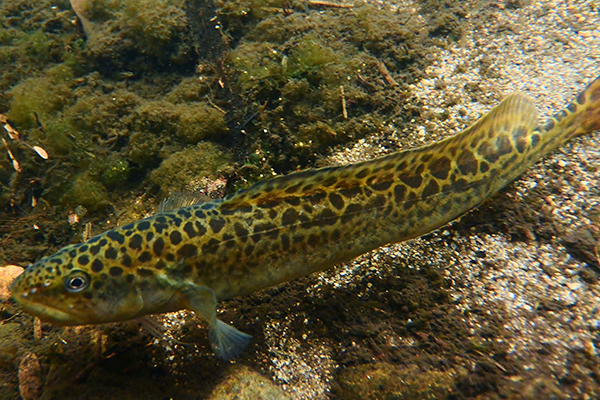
pixel 290 226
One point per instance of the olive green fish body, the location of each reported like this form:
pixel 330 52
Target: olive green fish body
pixel 291 226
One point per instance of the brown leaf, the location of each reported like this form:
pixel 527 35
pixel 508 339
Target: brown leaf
pixel 12 158
pixel 12 133
pixel 42 153
pixel 72 218
pixel 16 165
pixel 30 380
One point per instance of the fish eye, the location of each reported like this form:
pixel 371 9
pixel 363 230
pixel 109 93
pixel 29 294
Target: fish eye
pixel 77 282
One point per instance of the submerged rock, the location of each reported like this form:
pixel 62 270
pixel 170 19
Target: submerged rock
pixel 245 384
pixel 7 274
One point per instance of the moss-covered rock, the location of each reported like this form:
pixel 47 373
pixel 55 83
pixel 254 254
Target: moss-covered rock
pixel 102 111
pixel 258 66
pixel 310 55
pixel 181 168
pixel 114 172
pixel 139 34
pixel 85 191
pixel 189 89
pixel 36 100
pixel 158 117
pixel 200 121
pixel 144 149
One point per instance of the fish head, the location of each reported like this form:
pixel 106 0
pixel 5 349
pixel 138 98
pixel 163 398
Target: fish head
pixel 63 290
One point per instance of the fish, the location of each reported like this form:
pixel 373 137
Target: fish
pixel 290 226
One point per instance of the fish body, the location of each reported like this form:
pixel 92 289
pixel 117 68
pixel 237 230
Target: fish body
pixel 290 226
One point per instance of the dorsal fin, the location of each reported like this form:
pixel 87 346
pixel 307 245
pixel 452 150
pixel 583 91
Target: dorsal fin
pixel 181 199
pixel 515 111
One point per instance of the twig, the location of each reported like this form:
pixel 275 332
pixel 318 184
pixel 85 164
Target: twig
pixel 15 163
pixel 87 232
pixel 344 112
pixel 315 3
pixel 215 106
pixel 386 74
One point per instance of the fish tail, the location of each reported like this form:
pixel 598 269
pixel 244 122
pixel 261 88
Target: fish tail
pixel 580 117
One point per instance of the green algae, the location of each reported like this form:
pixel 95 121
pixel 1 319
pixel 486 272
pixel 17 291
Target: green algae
pixel 138 35
pixel 31 40
pixel 187 90
pixel 317 79
pixel 180 168
pixel 200 121
pixel 84 190
pixel 255 63
pixel 115 172
pixel 157 117
pixel 144 150
pixel 37 98
pixel 59 138
pixel 248 10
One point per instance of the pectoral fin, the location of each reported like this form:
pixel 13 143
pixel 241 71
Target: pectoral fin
pixel 226 341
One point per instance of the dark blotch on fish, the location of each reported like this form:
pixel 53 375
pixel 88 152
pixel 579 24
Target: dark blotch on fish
pixel 97 265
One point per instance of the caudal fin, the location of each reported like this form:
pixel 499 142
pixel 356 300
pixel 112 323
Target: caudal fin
pixel 581 116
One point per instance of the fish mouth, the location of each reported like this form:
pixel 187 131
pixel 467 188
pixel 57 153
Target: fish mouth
pixel 48 313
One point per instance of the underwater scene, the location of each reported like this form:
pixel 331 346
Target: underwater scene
pixel 299 199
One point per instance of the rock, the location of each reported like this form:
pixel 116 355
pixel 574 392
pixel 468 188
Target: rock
pixel 8 273
pixel 388 381
pixel 245 384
